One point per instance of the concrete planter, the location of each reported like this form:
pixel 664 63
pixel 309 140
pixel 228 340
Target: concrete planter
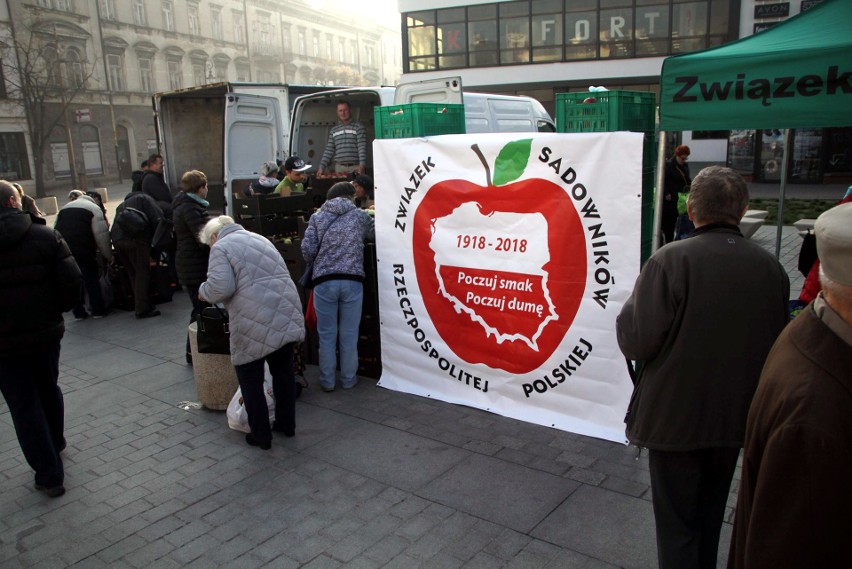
pixel 215 377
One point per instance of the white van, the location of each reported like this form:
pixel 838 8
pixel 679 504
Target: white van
pixel 315 114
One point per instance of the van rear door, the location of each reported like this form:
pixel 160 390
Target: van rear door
pixel 444 90
pixel 252 137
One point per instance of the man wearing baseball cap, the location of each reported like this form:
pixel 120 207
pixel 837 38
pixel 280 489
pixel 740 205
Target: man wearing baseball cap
pixel 795 497
pixel 294 177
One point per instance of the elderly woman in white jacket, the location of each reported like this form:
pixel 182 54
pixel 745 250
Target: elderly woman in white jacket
pixel 247 274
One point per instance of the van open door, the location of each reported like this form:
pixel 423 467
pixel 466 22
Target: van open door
pixel 252 136
pixel 444 90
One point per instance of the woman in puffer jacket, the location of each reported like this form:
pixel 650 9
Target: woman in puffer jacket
pixel 247 273
pixel 334 243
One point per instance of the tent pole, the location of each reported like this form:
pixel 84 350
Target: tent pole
pixel 658 196
pixel 788 136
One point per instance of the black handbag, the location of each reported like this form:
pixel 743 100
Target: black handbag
pixel 307 278
pixel 214 334
pixel 164 234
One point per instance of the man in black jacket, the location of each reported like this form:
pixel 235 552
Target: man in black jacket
pixel 154 184
pixel 84 228
pixel 134 250
pixel 137 176
pixel 39 280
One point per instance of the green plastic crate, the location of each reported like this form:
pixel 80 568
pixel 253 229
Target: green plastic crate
pixel 419 119
pixel 605 111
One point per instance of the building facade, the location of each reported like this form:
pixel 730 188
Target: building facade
pixel 544 47
pixel 111 56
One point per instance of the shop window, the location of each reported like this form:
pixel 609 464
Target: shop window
pixel 14 163
pixel 90 141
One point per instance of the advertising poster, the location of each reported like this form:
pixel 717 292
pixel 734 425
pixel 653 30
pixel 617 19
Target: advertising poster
pixel 503 261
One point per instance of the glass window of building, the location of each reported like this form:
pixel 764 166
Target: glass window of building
pixel 451 36
pixel 168 11
pixel 14 163
pixel 581 29
pixel 239 27
pixel 482 35
pixel 146 74
pixel 547 31
pixel 140 16
pixel 302 44
pixel 689 26
pixel 538 31
pixel 107 9
pixel 115 67
pixel 175 74
pixel 216 22
pixel 652 30
pixel 73 69
pixel 421 40
pixel 514 32
pixel 192 15
pixel 316 46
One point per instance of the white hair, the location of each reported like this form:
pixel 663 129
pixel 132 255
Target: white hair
pixel 837 291
pixel 213 227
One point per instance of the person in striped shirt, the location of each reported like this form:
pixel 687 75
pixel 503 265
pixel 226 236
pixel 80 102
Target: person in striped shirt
pixel 346 150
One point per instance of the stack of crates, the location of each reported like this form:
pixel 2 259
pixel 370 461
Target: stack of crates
pixel 419 119
pixel 609 111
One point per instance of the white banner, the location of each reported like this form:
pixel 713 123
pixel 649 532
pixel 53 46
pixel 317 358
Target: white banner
pixel 503 261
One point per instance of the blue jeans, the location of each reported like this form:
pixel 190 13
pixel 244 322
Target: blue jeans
pixel 338 306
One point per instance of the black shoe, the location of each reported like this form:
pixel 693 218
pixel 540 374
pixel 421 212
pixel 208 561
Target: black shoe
pixel 189 358
pixel 54 492
pixel 81 317
pixel 255 443
pixel 148 314
pixel 287 432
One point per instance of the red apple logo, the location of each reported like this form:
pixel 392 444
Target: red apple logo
pixel 501 267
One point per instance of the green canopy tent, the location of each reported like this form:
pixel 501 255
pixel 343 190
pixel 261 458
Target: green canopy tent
pixel 797 74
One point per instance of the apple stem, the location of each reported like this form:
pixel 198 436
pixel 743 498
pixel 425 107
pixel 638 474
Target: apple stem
pixel 475 148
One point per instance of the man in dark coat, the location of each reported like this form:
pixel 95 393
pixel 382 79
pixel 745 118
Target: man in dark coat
pixel 701 319
pixel 795 498
pixel 154 184
pixel 84 228
pixel 134 251
pixel 39 280
pixel 137 176
pixel 190 216
pixel 676 180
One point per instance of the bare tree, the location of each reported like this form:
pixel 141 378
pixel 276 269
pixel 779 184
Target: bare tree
pixel 45 82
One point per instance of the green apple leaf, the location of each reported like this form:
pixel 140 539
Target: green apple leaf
pixel 512 161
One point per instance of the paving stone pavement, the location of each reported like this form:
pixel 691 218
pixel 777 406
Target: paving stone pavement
pixel 373 478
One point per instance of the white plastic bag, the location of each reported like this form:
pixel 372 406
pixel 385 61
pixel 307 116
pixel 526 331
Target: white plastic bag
pixel 237 416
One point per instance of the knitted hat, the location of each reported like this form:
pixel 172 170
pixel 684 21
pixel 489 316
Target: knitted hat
pixel 341 190
pixel 834 243
pixel 74 194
